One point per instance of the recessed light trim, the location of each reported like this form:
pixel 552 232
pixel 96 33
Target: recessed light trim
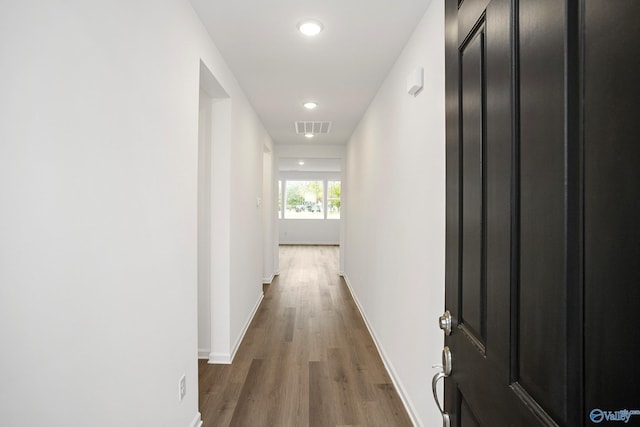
pixel 310 105
pixel 301 162
pixel 310 28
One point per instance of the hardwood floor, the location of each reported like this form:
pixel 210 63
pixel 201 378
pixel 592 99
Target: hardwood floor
pixel 306 360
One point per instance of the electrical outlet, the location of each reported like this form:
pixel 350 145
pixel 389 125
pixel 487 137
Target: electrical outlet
pixel 182 388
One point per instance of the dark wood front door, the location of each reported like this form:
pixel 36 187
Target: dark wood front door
pixel 531 166
pixel 611 152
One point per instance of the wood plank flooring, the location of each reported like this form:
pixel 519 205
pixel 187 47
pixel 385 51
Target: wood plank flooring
pixel 306 360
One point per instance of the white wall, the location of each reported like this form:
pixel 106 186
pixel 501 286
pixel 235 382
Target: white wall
pixel 310 151
pixel 204 221
pixel 309 232
pixel 98 185
pixel 269 216
pixel 247 145
pixel 394 194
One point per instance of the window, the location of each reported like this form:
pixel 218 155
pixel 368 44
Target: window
pixel 304 199
pixel 309 199
pixel 333 199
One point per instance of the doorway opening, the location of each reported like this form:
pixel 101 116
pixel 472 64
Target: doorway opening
pixel 213 140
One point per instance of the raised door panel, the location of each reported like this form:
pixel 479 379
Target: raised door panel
pixel 472 312
pixel 542 351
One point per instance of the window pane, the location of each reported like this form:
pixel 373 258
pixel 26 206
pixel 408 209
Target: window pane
pixel 305 199
pixel 333 199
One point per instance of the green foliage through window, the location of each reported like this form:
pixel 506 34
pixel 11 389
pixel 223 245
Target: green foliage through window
pixel 306 199
pixel 333 199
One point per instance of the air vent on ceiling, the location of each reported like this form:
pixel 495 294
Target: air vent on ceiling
pixel 313 127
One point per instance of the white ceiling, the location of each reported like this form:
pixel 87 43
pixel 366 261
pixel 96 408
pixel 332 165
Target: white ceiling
pixel 278 68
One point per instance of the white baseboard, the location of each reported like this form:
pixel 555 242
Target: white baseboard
pixel 203 354
pixel 197 421
pixel 219 359
pixel 309 243
pixel 246 326
pixel 226 358
pixel 268 280
pixel 406 401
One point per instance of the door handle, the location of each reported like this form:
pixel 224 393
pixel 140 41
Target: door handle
pixel 446 420
pixel 445 372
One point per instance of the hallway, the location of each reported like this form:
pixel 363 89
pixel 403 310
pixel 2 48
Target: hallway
pixel 306 360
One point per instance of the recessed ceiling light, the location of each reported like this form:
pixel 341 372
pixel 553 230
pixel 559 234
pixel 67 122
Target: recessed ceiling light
pixel 310 105
pixel 310 28
pixel 301 163
pixel 308 135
